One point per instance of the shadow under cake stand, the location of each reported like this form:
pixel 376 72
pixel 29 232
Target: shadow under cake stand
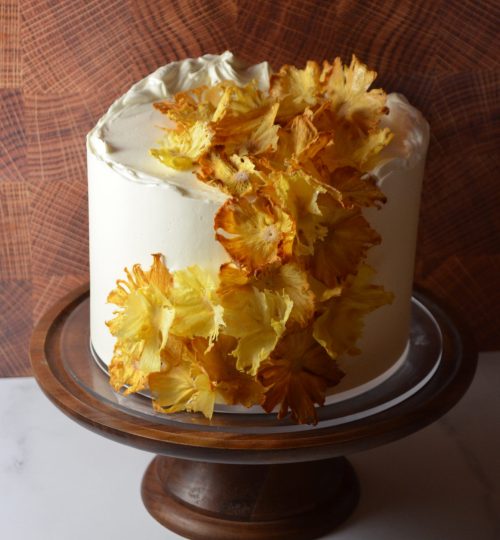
pixel 250 476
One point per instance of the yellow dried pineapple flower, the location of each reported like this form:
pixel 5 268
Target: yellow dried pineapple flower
pixel 201 377
pixel 185 387
pixel 298 193
pixel 240 118
pixel 347 88
pixel 181 148
pixel 253 132
pixel 322 292
pixel 257 318
pixel 295 89
pixel 197 312
pixel 182 385
pixel 236 101
pixel 344 246
pixel 123 369
pixel 190 106
pixel 254 231
pixel 349 151
pixel 297 375
pixel 289 279
pixel 235 175
pixel 142 324
pixel 341 324
pixel 176 351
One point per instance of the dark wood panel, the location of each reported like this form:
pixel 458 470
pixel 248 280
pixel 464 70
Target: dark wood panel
pixel 63 63
pixel 15 260
pixel 47 291
pixel 12 139
pixel 15 327
pixel 10 44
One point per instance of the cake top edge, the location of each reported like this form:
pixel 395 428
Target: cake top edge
pixel 124 134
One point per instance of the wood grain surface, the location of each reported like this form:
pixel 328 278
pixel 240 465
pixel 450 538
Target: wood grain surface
pixel 63 63
pixel 286 501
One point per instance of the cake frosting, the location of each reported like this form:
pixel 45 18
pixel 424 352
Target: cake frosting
pixel 138 206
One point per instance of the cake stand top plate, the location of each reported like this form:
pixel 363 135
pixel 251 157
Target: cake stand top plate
pixel 441 354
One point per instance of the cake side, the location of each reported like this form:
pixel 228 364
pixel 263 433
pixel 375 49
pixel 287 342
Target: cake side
pixel 128 221
pixel 400 175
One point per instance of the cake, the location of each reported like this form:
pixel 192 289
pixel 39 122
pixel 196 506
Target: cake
pixel 145 204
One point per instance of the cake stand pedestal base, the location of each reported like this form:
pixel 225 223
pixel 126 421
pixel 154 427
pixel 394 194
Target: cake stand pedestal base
pixel 203 501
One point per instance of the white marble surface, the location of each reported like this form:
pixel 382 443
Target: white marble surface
pixel 442 483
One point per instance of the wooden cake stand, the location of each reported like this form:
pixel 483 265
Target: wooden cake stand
pixel 244 475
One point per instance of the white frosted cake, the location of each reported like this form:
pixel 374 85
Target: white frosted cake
pixel 138 206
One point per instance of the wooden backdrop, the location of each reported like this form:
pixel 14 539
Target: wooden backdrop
pixel 62 63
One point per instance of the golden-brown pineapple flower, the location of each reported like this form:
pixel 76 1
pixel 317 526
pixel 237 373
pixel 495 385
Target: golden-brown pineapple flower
pixel 341 324
pixel 345 245
pixel 235 175
pixel 297 376
pixel 254 231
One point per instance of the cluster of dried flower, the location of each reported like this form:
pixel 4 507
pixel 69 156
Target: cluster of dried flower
pixel 268 329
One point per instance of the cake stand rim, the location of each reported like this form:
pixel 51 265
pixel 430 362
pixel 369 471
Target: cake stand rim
pixel 317 443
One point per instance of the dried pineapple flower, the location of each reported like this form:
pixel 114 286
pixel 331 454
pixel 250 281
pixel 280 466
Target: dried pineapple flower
pixel 254 231
pixel 293 281
pixel 349 147
pixel 341 324
pixel 345 245
pixel 233 386
pixel 288 279
pixel 253 132
pixel 295 89
pixel 197 312
pixel 191 106
pixel 141 325
pixel 241 120
pixel 347 90
pixel 299 142
pixel 236 175
pixel 183 384
pixel 357 189
pixel 237 101
pixel 200 378
pixel 185 387
pixel 180 149
pixel 297 375
pixel 256 317
pixel 298 193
